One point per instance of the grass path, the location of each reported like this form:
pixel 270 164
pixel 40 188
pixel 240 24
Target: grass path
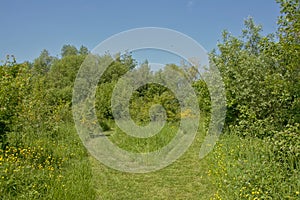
pixel 186 178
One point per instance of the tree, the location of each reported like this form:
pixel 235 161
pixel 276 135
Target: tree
pixel 117 67
pixel 262 79
pixel 42 64
pixel 61 77
pixel 83 50
pixel 68 50
pixel 255 89
pixel 287 51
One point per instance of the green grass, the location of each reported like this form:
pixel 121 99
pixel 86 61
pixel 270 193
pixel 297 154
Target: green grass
pixel 141 145
pixel 57 166
pixel 46 167
pixel 186 178
pixel 247 168
pixel 237 168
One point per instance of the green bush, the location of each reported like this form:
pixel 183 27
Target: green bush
pixel 14 87
pixel 286 146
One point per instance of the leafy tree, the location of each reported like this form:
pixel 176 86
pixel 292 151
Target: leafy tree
pixel 68 50
pixel 254 87
pixel 116 68
pixel 83 50
pixel 42 64
pixel 287 51
pixel 261 75
pixel 61 77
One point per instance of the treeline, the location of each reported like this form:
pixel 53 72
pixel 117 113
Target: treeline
pixel 37 96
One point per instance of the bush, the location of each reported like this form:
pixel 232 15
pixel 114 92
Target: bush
pixel 286 146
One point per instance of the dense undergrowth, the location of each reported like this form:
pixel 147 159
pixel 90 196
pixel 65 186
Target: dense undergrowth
pixel 248 168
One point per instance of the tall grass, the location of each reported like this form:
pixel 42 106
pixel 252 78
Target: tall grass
pixel 247 168
pixel 46 167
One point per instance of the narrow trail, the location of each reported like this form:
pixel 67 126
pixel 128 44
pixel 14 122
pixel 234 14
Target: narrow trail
pixel 186 178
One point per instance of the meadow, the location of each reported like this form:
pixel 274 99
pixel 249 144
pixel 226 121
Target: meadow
pixel 61 168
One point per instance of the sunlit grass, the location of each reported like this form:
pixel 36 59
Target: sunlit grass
pixel 46 169
pixel 186 178
pixel 60 168
pixel 246 168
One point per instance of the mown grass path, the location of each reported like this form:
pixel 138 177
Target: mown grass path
pixel 186 178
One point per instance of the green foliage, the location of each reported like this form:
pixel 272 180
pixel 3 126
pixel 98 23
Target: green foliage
pixel 14 86
pixel 288 53
pixel 103 104
pixel 83 50
pixel 286 146
pixel 202 92
pixel 41 155
pixel 63 72
pixel 41 65
pixel 146 99
pixel 68 50
pixel 262 85
pixel 105 126
pixel 246 168
pixel 46 168
pixel 245 70
pixel 56 86
pixel 261 75
pixel 115 68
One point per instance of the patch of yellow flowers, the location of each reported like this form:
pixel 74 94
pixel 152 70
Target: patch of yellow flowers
pixel 19 165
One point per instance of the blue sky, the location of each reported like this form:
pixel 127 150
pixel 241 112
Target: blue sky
pixel 28 27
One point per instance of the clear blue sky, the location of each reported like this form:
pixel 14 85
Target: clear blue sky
pixel 28 27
